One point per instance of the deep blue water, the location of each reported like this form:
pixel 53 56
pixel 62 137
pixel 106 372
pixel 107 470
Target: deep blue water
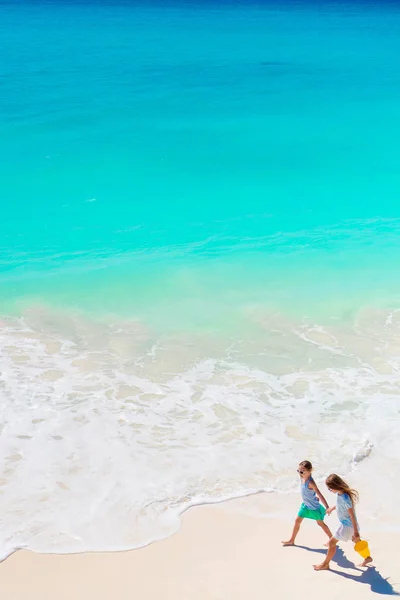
pixel 141 139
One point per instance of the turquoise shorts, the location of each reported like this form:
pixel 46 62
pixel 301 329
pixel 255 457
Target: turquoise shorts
pixel 308 513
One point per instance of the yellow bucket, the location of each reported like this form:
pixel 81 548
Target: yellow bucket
pixel 362 548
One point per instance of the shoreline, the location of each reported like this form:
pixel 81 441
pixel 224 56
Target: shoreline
pixel 184 423
pixel 229 550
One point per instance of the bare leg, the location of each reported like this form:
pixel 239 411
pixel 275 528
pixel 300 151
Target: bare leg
pixel 366 561
pixel 295 531
pixel 326 529
pixel 324 566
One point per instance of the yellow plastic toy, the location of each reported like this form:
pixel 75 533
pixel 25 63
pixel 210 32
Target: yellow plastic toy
pixel 362 548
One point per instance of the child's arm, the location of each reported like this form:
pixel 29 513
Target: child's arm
pixel 330 510
pixel 314 487
pixel 356 535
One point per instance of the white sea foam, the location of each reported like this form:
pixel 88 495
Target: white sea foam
pixel 109 431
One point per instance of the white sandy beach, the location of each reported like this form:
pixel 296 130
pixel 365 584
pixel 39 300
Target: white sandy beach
pixel 226 551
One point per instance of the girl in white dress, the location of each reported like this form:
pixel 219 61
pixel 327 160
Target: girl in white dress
pixel 348 528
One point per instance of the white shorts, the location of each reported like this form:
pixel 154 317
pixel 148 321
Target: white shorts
pixel 344 533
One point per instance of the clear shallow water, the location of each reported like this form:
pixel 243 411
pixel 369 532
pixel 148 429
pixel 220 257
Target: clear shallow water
pixel 198 258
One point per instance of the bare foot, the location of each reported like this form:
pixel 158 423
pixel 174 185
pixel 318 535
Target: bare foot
pixel 366 562
pixel 322 567
pixel 288 543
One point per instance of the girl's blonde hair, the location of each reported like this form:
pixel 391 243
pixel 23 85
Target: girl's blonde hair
pixel 334 482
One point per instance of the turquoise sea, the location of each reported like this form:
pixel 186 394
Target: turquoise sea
pixel 199 250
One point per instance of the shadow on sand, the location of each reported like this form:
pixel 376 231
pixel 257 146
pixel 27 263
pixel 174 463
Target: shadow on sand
pixel 370 575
